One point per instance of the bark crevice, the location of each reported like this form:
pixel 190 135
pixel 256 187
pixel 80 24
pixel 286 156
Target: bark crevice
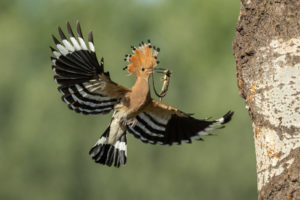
pixel 267 53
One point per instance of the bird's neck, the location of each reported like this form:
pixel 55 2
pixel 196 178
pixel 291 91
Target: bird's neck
pixel 141 87
pixel 139 96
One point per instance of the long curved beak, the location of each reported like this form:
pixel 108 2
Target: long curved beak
pixel 159 70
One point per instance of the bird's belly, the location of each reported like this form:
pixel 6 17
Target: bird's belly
pixel 117 127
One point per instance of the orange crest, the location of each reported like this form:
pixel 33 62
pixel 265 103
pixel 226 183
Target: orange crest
pixel 145 56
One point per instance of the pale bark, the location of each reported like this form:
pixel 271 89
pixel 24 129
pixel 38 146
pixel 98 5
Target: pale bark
pixel 267 52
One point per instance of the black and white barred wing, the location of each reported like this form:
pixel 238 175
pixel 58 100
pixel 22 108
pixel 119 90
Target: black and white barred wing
pixel 166 125
pixel 85 87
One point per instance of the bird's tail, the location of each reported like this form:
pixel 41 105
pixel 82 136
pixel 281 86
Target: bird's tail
pixel 110 154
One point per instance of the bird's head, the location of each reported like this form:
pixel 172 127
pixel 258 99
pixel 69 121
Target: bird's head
pixel 143 60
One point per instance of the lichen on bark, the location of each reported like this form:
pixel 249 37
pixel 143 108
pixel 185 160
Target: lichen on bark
pixel 267 53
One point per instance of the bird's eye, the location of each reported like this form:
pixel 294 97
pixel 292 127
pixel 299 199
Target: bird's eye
pixel 143 69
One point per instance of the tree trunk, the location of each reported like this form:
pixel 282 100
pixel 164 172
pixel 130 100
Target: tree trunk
pixel 267 53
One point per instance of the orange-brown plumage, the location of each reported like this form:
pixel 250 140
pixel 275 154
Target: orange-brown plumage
pixel 143 57
pixel 87 89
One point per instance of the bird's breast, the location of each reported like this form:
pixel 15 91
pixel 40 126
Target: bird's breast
pixel 135 102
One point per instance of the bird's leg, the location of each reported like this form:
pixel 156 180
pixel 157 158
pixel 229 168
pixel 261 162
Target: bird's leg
pixel 128 122
pixel 123 121
pixel 132 122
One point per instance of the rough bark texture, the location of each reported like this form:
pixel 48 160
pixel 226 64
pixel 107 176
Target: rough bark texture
pixel 267 52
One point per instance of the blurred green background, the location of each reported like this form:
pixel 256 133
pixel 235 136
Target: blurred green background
pixel 44 145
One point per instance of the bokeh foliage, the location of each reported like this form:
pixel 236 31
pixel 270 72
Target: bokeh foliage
pixel 44 146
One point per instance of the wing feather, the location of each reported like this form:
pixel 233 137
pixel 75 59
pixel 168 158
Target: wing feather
pixel 84 85
pixel 164 124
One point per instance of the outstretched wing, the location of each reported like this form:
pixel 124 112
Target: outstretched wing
pixel 163 124
pixel 85 87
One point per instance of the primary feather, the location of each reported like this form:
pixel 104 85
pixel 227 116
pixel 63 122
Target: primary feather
pixel 87 89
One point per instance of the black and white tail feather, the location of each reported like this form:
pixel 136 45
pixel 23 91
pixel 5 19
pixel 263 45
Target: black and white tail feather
pixel 87 89
pixel 110 154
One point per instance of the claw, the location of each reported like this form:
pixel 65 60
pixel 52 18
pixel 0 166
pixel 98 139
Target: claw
pixel 132 123
pixel 128 122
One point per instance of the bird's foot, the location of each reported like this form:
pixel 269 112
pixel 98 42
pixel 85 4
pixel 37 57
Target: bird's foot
pixel 128 122
pixel 131 123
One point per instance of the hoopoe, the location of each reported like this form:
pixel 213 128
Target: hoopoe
pixel 87 89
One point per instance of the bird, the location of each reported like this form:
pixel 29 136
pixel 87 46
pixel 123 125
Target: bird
pixel 86 88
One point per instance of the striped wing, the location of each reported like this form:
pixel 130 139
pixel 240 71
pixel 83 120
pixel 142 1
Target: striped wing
pixel 84 85
pixel 166 125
